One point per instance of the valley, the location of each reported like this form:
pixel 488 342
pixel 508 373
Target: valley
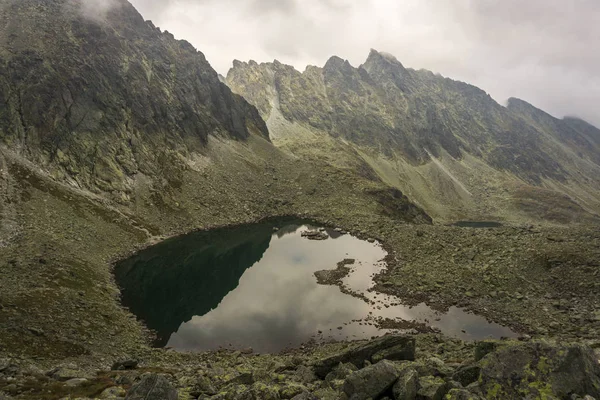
pixel 117 140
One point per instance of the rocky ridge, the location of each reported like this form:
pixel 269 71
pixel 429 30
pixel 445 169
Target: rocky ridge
pixel 446 144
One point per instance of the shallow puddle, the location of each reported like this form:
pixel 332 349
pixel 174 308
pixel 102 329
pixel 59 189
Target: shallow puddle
pixel 252 287
pixel 478 224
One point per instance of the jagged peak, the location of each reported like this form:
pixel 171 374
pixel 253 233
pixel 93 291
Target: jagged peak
pixel 339 64
pixel 378 57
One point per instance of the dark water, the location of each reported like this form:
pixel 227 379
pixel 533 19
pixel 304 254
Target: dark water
pixel 253 287
pixel 478 224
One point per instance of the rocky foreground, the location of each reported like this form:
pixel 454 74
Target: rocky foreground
pixel 400 367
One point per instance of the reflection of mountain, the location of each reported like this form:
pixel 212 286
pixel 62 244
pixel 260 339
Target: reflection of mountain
pixel 173 281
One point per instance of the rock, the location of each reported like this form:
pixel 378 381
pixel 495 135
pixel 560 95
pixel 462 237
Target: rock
pixel 292 390
pixel 396 353
pixel 341 372
pixel 66 373
pixel 305 396
pixel 4 363
pixel 112 393
pixel 8 367
pixel 371 382
pixel 406 386
pixel 540 370
pixel 258 391
pixel 75 382
pixel 152 387
pixel 432 388
pixel 304 375
pixel 467 374
pixel 357 355
pixel 245 378
pixel 203 385
pixel 125 365
pixel 433 366
pixel 485 347
pixel 315 235
pixel 462 394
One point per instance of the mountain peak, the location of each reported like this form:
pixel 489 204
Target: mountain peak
pixel 378 57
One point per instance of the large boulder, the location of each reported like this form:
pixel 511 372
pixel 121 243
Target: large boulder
pixel 432 388
pixel 467 374
pixel 407 385
pixel 403 345
pixel 540 370
pixel 152 387
pixel 372 381
pixel 461 394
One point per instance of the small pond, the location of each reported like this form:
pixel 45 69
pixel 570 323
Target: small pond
pixel 478 224
pixel 255 286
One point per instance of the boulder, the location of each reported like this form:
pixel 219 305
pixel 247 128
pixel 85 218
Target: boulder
pixel 66 373
pixel 485 347
pixel 152 387
pixel 123 365
pixel 433 366
pixel 292 390
pixel 75 382
pixel 462 394
pixel 203 385
pixel 540 370
pixel 113 393
pixel 467 374
pixel 305 396
pixel 341 372
pixel 304 375
pixel 432 388
pixel 371 382
pixel 246 378
pixel 404 350
pixel 407 385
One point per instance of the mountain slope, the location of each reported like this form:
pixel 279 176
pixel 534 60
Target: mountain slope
pixel 446 144
pixel 96 99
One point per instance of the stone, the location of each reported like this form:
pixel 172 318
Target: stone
pixel 396 353
pixel 152 387
pixel 304 375
pixel 432 388
pixel 462 394
pixel 407 384
pixel 203 385
pixel 467 374
pixel 485 347
pixel 433 366
pixel 125 365
pixel 292 390
pixel 66 373
pixel 539 370
pixel 371 382
pixel 112 393
pixel 357 355
pixel 245 378
pixel 262 391
pixel 75 382
pixel 305 396
pixel 315 235
pixel 341 372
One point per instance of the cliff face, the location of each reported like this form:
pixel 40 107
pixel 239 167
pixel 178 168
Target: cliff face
pixel 97 95
pixel 405 123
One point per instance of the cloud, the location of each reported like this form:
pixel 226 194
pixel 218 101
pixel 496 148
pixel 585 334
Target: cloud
pixel 543 51
pixel 95 10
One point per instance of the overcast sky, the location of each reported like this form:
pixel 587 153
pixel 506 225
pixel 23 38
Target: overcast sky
pixel 546 52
